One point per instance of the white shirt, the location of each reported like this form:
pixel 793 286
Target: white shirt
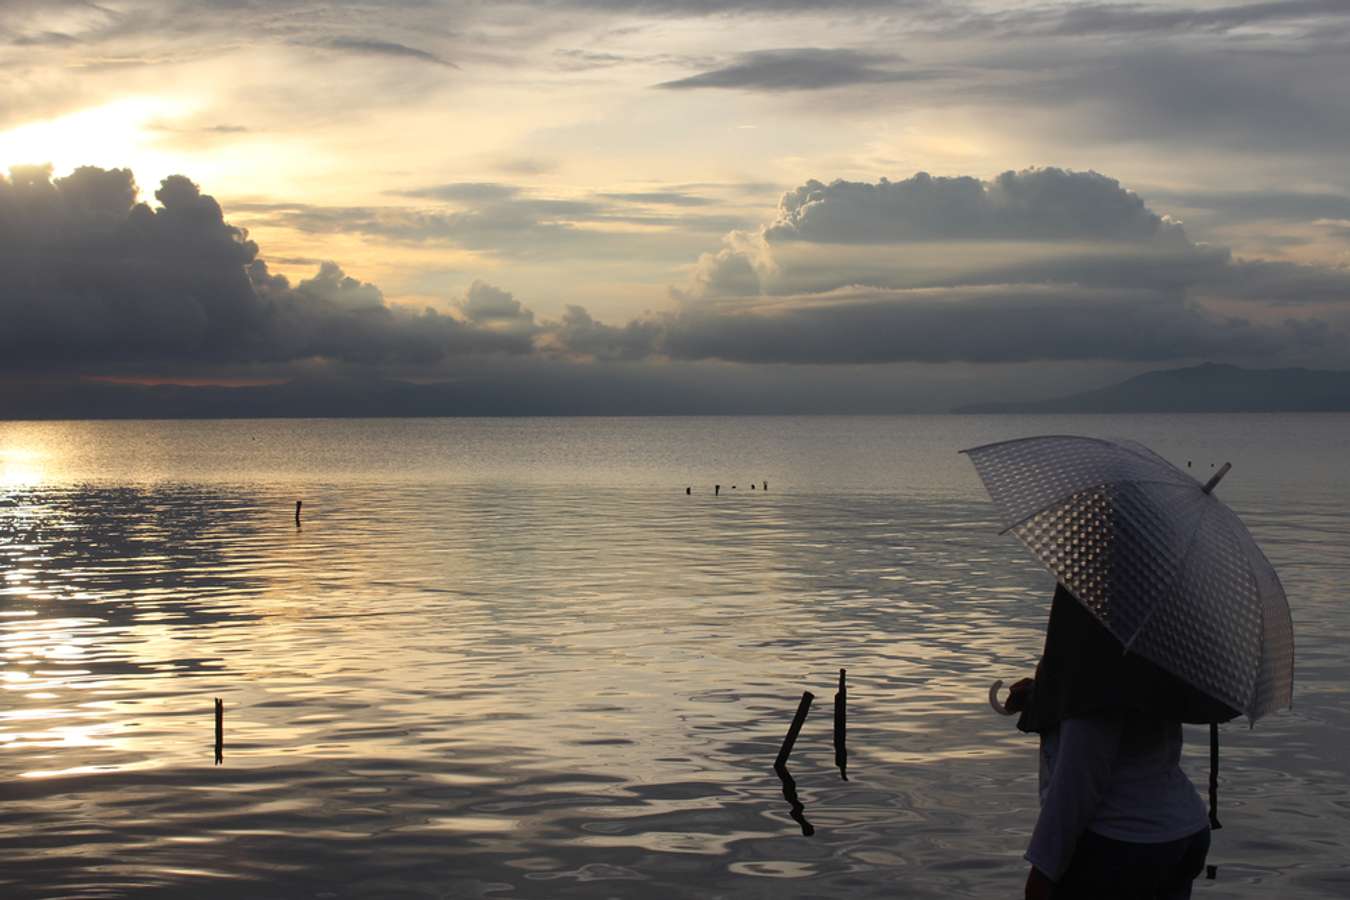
pixel 1117 775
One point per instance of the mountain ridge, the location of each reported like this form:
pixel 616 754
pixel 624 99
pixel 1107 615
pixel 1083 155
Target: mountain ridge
pixel 1208 387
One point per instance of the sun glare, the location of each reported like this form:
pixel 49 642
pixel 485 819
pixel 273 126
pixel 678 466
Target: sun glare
pixel 121 134
pixel 19 468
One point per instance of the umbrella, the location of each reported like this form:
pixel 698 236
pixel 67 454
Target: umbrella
pixel 1159 560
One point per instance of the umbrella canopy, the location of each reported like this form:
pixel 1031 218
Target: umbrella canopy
pixel 1159 560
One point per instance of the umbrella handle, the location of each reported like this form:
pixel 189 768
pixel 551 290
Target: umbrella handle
pixel 993 699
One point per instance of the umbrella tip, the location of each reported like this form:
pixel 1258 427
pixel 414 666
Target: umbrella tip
pixel 1217 477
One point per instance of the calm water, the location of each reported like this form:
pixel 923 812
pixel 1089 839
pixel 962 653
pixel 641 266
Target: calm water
pixel 510 658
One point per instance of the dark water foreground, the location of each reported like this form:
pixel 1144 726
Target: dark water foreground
pixel 497 665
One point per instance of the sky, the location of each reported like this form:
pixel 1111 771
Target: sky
pixel 677 206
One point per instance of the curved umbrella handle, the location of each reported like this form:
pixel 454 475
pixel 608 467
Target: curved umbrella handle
pixel 993 699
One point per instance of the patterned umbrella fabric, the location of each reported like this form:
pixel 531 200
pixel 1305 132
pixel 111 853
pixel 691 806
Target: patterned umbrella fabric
pixel 1156 557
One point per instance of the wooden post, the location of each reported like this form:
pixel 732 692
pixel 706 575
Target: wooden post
pixel 795 728
pixel 841 727
pixel 795 807
pixel 220 731
pixel 298 504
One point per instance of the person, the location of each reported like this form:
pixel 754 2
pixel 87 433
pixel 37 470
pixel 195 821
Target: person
pixel 1119 818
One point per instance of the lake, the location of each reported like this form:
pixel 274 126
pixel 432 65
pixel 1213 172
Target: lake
pixel 513 658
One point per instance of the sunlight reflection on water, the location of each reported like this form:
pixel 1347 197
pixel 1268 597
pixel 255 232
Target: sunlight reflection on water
pixel 513 661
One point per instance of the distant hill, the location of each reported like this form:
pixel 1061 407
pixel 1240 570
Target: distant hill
pixel 1204 388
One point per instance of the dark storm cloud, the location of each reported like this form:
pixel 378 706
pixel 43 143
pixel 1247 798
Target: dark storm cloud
pixel 800 69
pixel 966 265
pixel 371 47
pixel 576 333
pixel 495 308
pixel 1036 204
pixel 1042 264
pixel 1279 283
pixel 93 277
pixel 99 282
pixel 1008 324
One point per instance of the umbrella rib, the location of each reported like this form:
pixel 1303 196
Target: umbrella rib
pixel 1058 500
pixel 1253 695
pixel 1039 437
pixel 1148 456
pixel 1051 505
pixel 1251 573
pixel 1172 588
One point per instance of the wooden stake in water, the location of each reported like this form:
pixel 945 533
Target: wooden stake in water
pixel 298 504
pixel 795 807
pixel 794 729
pixel 841 727
pixel 220 731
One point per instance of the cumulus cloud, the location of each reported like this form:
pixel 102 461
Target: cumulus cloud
pixel 1043 264
pixel 497 310
pixel 578 334
pixel 1036 204
pixel 739 268
pixel 94 277
pixel 1030 266
pixel 800 69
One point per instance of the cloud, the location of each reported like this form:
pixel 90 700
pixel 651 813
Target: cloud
pixel 466 192
pixel 1043 264
pixel 43 39
pixel 1012 323
pixel 1269 205
pixel 504 219
pixel 1119 18
pixel 98 283
pixel 1257 96
pixel 800 69
pixel 660 198
pixel 508 226
pixel 94 278
pixel 667 8
pixel 578 334
pixel 1035 204
pixel 370 47
pixel 493 308
pixel 1277 283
